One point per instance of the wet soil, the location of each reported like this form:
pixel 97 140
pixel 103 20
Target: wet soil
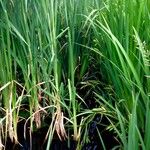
pixel 39 143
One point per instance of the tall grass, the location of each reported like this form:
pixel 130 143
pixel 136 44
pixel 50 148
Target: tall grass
pixel 38 52
pixel 124 44
pixel 52 49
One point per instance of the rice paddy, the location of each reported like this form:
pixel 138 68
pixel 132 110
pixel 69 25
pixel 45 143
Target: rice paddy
pixel 74 74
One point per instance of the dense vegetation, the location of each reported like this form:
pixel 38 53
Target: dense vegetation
pixel 71 61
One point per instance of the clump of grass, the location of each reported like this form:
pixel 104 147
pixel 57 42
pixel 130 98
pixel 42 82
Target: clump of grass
pixel 37 37
pixel 46 52
pixel 123 45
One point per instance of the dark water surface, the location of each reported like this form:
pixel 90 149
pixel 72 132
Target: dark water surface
pixel 38 139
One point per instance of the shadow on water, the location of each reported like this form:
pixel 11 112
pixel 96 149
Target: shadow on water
pixel 38 139
pixel 108 137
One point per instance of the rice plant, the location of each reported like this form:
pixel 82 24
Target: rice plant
pixel 123 44
pixel 76 64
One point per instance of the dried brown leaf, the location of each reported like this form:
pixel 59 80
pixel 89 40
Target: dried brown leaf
pixel 37 118
pixel 59 125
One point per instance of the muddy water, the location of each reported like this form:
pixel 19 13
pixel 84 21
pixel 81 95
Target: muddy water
pixel 39 136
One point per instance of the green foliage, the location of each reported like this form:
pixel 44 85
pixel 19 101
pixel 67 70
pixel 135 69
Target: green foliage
pixel 53 50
